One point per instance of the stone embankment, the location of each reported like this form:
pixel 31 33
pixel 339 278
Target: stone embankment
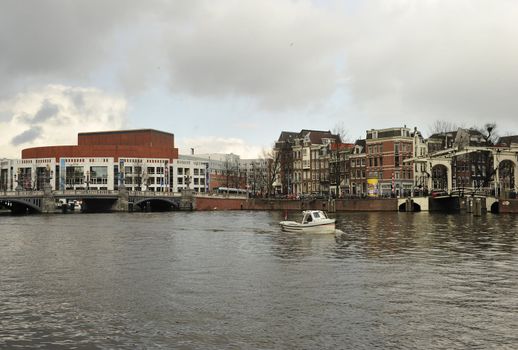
pixel 453 204
pixel 240 203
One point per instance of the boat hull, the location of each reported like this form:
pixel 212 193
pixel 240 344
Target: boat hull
pixel 324 227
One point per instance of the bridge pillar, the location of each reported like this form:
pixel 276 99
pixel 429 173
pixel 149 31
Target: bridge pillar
pixel 496 164
pixel 187 200
pixel 477 207
pixel 122 203
pixel 409 205
pixel 48 204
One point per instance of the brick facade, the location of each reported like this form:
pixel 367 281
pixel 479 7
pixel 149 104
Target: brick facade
pixel 130 143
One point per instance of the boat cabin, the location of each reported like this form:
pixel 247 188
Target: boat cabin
pixel 313 215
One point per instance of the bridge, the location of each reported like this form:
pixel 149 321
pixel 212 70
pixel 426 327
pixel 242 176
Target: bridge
pixel 49 201
pixel 503 171
pixel 457 200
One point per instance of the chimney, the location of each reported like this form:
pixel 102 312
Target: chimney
pixel 192 151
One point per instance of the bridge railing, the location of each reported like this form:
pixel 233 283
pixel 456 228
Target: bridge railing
pixel 221 195
pixel 21 193
pixel 67 193
pixel 154 194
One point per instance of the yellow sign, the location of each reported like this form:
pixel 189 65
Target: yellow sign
pixel 372 187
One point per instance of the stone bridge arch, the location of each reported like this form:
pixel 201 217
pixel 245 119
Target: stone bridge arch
pixel 23 205
pixel 157 203
pixel 441 175
pixel 506 177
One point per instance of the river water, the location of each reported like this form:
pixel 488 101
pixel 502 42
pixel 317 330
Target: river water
pixel 233 280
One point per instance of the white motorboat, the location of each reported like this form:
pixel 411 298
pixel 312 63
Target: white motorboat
pixel 313 221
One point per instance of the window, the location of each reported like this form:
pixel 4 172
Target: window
pixel 98 175
pixel 74 175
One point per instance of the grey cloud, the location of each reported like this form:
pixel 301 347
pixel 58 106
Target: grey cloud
pixel 282 54
pixel 5 116
pixel 47 111
pixel 440 60
pixel 406 62
pixel 50 38
pixel 27 136
pixel 76 97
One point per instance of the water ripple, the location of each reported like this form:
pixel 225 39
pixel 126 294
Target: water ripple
pixel 212 280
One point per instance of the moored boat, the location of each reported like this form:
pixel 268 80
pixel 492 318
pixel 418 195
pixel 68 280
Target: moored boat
pixel 313 221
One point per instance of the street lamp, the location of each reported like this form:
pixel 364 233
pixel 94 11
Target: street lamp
pixel 88 180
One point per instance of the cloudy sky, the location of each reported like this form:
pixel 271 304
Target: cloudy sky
pixel 230 75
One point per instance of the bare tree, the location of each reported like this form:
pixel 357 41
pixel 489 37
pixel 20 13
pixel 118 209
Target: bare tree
pixel 273 164
pixel 340 130
pixel 490 133
pixel 231 171
pixel 442 126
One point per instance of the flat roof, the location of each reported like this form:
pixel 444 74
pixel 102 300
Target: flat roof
pixel 124 132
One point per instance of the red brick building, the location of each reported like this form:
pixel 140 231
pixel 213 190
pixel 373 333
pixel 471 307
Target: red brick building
pixel 137 159
pixel 144 143
pixel 386 170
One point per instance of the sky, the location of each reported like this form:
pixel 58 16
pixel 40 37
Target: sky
pixel 229 75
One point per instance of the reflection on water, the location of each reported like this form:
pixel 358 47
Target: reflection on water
pixel 234 280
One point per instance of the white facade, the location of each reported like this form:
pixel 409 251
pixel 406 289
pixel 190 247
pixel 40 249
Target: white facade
pixel 190 173
pixel 6 175
pixel 256 173
pixel 144 174
pixel 81 173
pixel 137 174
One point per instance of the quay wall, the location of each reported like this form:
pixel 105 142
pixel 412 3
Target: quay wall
pixel 218 203
pixel 508 206
pixel 382 204
pixel 239 203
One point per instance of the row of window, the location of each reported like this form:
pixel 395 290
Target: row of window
pixel 186 171
pixel 195 181
pixel 358 162
pixel 378 148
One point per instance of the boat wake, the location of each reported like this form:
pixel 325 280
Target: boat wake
pixel 340 235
